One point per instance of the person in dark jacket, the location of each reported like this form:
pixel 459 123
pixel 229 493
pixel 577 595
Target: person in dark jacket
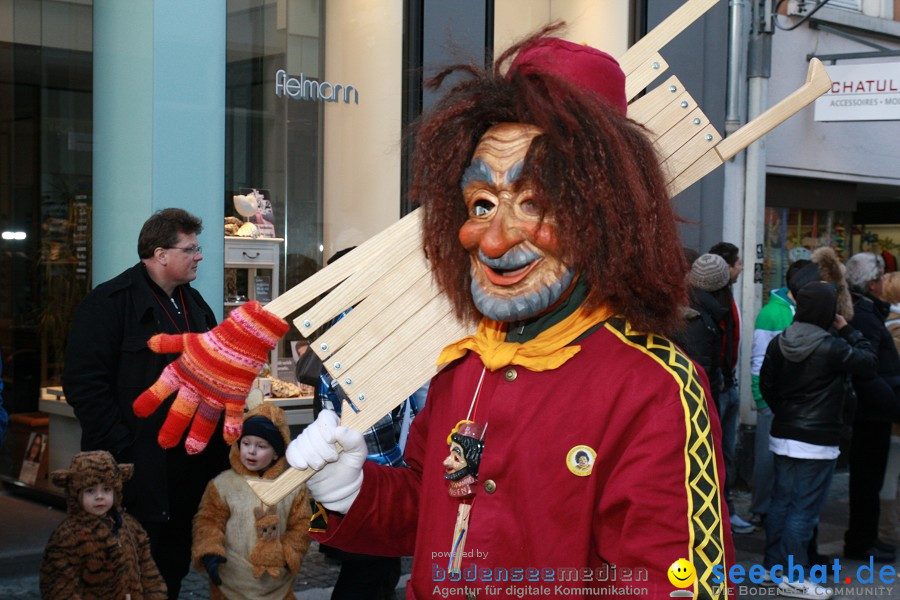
pixel 701 337
pixel 804 379
pixel 108 365
pixel 878 403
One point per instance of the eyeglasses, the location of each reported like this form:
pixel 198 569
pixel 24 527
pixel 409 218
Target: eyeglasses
pixel 192 250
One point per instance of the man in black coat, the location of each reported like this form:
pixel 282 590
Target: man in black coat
pixel 108 365
pixel 878 404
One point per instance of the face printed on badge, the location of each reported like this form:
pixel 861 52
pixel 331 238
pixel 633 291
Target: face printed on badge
pixel 516 269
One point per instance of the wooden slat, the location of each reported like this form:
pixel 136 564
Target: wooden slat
pixel 273 491
pixel 398 284
pixel 400 315
pixel 646 74
pixel 371 352
pixel 358 286
pixel 681 133
pixel 694 173
pixel 691 151
pixel 395 381
pixel 646 107
pixel 663 121
pixel 817 83
pixel 663 33
pixel 405 231
pixel 405 374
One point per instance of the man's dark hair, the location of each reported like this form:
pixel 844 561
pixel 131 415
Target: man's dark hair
pixel 161 230
pixel 726 250
pixel 690 255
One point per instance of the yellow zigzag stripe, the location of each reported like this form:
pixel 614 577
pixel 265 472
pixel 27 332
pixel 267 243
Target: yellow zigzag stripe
pixel 701 474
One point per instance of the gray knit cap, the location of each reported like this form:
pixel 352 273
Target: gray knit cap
pixel 710 273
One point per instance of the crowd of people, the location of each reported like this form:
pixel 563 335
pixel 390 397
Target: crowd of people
pixel 825 379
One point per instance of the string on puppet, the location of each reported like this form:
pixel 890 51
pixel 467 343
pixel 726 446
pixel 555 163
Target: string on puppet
pixel 466 442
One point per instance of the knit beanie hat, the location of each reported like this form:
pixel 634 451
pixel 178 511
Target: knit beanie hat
pixel 710 273
pixel 262 427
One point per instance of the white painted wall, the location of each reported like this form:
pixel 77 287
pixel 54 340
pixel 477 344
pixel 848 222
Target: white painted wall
pixel 603 25
pixel 362 141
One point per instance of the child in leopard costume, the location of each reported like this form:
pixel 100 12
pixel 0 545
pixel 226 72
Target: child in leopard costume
pixel 98 551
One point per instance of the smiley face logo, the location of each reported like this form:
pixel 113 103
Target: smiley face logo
pixel 682 573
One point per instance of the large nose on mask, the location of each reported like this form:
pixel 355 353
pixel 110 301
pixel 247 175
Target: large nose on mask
pixel 504 232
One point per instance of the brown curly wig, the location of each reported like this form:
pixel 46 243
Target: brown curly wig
pixel 593 169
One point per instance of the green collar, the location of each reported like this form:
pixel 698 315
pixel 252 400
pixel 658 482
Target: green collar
pixel 523 331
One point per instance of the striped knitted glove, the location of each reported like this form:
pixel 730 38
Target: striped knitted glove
pixel 214 372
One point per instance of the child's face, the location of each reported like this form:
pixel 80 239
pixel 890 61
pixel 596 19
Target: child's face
pixel 256 453
pixel 97 499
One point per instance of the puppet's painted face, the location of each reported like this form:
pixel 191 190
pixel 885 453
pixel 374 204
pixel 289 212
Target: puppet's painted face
pixel 516 269
pixel 455 462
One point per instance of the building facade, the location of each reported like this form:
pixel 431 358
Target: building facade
pixel 110 110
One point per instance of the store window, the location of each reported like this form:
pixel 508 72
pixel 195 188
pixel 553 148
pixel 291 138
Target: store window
pixel 793 233
pixel 45 187
pixel 854 5
pixel 272 145
pixel 882 239
pixel 314 100
pixel 46 125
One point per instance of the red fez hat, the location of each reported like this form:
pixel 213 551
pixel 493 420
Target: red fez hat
pixel 467 429
pixel 471 429
pixel 580 65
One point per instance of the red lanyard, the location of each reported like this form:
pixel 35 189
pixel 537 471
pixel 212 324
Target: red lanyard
pixel 187 324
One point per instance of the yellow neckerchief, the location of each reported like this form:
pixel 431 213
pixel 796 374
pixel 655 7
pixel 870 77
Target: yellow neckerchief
pixel 547 351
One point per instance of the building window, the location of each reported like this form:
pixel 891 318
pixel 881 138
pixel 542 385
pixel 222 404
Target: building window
pixel 854 5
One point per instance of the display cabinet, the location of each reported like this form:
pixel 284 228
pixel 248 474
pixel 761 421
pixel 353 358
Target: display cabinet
pixel 252 273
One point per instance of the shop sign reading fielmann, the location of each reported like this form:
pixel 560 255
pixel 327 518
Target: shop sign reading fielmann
pixel 308 89
pixel 869 92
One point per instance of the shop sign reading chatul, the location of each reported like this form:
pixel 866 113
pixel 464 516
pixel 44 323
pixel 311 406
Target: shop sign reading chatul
pixel 301 88
pixel 869 92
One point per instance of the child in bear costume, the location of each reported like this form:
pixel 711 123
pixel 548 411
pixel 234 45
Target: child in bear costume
pixel 98 551
pixel 250 550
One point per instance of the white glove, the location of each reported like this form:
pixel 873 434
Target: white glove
pixel 339 475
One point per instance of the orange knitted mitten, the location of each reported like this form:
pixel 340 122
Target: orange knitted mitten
pixel 213 373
